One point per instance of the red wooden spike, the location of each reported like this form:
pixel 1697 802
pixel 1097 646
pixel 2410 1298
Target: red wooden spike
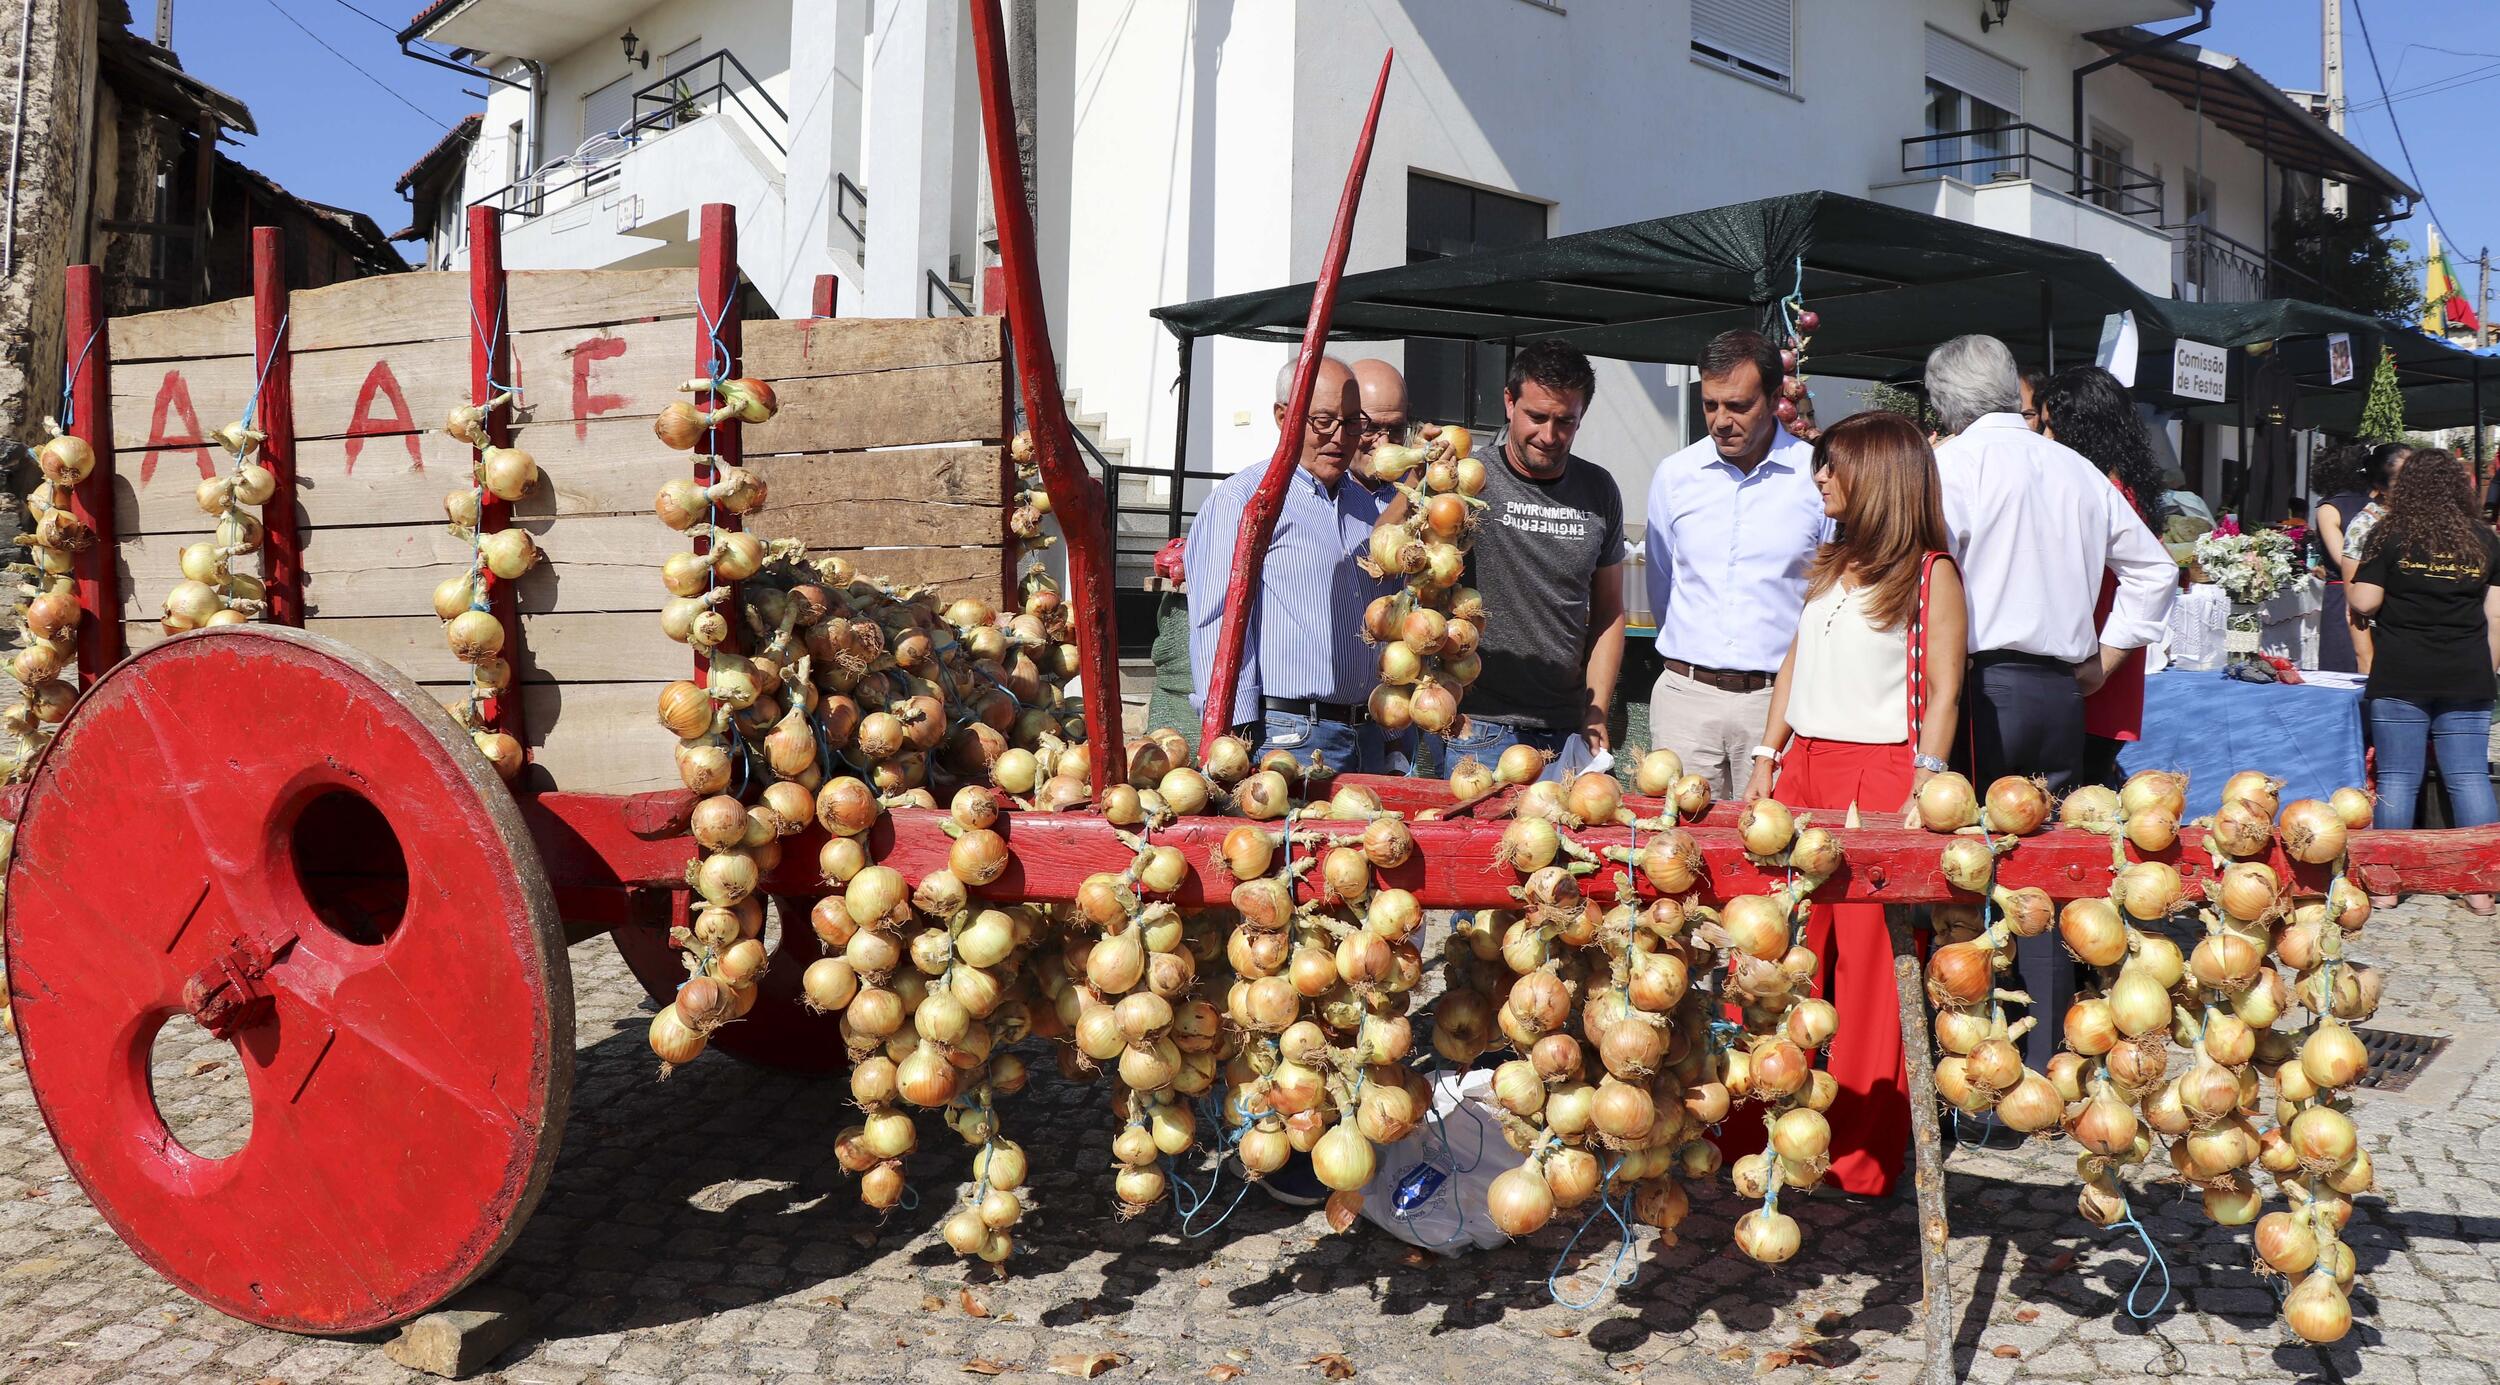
pixel 1259 518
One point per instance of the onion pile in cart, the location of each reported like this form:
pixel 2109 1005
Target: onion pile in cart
pixel 1285 1021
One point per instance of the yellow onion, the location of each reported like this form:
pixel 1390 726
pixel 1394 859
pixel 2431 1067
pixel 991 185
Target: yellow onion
pixel 474 636
pixel 2093 931
pixel 1769 1237
pixel 1766 827
pixel 1947 803
pixel 2313 833
pixel 509 553
pixel 1519 1201
pixel 2017 805
pixel 2146 788
pixel 2149 890
pixel 2105 1125
pixel 2352 806
pixel 2333 1057
pixel 2317 1310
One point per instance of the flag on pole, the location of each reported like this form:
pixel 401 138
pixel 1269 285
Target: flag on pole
pixel 2444 304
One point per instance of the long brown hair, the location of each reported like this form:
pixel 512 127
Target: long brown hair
pixel 2431 511
pixel 1895 513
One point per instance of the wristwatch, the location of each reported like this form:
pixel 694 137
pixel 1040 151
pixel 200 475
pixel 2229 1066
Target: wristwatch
pixel 1929 763
pixel 1764 752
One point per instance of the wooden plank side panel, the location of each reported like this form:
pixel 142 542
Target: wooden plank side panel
pixel 947 475
pixel 597 737
pixel 894 408
pixel 222 328
pixel 582 647
pixel 383 310
pixel 544 299
pixel 956 572
pixel 805 347
pixel 370 393
pixel 608 563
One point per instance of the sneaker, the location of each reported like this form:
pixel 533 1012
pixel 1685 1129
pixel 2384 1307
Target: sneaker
pixel 1295 1185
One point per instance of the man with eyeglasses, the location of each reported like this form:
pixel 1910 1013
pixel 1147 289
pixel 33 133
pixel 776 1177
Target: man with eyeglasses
pixel 1306 673
pixel 1383 392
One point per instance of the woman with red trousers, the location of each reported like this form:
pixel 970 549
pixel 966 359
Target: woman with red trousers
pixel 1864 711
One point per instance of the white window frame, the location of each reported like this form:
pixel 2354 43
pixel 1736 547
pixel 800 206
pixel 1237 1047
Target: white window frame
pixel 1713 50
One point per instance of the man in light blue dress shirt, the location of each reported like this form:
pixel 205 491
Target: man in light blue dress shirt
pixel 1306 673
pixel 1734 522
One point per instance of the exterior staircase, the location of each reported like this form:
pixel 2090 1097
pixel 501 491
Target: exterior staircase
pixel 1140 519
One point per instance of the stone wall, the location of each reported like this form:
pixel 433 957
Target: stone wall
pixel 45 223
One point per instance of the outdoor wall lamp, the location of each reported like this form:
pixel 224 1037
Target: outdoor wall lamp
pixel 631 44
pixel 1992 13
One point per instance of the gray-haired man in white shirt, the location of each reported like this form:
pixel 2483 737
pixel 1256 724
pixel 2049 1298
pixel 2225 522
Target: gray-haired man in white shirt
pixel 2035 526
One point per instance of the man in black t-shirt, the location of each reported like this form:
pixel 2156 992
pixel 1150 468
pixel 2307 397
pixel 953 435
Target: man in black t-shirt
pixel 1548 561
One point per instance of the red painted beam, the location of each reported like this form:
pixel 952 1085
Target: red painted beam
pixel 96 571
pixel 490 363
pixel 1259 518
pixel 716 296
pixel 594 841
pixel 273 414
pixel 1074 496
pixel 826 295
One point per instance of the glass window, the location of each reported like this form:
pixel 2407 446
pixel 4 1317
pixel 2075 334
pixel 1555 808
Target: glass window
pixel 1456 381
pixel 1755 37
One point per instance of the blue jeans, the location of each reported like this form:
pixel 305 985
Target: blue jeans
pixel 1364 749
pixel 2460 732
pixel 1486 740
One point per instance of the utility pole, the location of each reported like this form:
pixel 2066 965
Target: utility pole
pixel 2482 298
pixel 2331 195
pixel 165 24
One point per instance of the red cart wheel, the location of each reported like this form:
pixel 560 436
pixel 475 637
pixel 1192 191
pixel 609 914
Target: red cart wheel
pixel 780 1032
pixel 293 844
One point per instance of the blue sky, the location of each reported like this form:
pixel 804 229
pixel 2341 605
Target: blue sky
pixel 2441 60
pixel 333 135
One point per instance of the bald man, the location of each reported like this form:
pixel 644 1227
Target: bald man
pixel 1383 392
pixel 1306 673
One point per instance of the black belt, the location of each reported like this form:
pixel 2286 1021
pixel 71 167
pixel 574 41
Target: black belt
pixel 1340 712
pixel 1987 657
pixel 1724 679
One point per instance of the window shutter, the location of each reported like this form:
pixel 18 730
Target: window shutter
pixel 1975 73
pixel 1760 32
pixel 609 109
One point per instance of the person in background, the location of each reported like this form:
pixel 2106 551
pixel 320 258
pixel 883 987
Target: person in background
pixel 1734 523
pixel 1846 727
pixel 1548 559
pixel 1306 673
pixel 2034 381
pixel 2429 581
pixel 1383 393
pixel 2085 408
pixel 2334 475
pixel 2034 526
pixel 2378 469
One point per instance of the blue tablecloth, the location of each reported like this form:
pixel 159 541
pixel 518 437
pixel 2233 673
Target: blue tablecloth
pixel 2212 727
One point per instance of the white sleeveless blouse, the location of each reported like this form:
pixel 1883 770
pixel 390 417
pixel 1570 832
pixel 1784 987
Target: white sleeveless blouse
pixel 1851 681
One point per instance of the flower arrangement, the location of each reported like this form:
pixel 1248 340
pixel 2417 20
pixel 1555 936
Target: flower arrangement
pixel 2249 567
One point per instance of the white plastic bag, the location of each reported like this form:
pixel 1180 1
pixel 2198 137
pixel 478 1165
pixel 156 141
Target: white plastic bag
pixel 1430 1188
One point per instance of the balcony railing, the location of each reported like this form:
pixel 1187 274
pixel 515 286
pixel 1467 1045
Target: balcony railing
pixel 2224 270
pixel 709 86
pixel 2005 152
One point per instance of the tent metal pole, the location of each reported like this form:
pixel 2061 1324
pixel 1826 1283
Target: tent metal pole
pixel 1180 442
pixel 2048 325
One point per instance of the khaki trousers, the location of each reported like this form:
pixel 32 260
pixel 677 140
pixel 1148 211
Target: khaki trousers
pixel 1713 731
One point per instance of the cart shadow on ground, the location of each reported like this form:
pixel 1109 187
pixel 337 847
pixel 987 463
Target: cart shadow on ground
pixel 666 1207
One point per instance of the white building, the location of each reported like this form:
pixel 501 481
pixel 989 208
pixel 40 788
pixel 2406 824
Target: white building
pixel 1189 148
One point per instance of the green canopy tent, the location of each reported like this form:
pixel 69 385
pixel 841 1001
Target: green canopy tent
pixel 2442 382
pixel 1889 284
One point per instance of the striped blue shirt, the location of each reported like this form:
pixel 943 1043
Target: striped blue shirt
pixel 1305 635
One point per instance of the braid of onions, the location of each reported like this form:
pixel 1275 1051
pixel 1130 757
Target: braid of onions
pixel 1428 632
pixel 211 592
pixel 46 592
pixel 1617 1079
pixel 1981 1070
pixel 476 637
pixel 724 726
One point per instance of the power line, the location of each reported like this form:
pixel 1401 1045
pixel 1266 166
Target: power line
pixel 387 28
pixel 2470 76
pixel 2361 15
pixel 351 62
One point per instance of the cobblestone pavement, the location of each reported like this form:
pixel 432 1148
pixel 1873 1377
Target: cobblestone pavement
pixel 699 1230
